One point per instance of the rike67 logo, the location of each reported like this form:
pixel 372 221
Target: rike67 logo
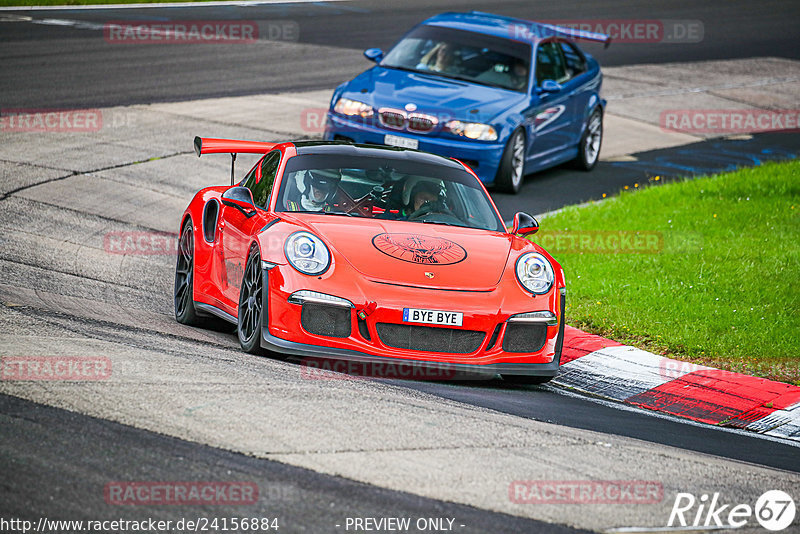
pixel 774 510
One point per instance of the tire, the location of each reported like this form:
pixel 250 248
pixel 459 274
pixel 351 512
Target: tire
pixel 512 164
pixel 527 380
pixel 183 295
pixel 590 143
pixel 248 325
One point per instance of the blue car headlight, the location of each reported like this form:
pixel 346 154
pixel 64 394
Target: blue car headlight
pixel 472 130
pixel 345 106
pixel 535 273
pixel 307 253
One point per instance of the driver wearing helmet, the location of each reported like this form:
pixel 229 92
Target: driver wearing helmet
pixel 317 190
pixel 424 192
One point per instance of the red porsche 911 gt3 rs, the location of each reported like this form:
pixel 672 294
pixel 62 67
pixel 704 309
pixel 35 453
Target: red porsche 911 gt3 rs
pixel 370 254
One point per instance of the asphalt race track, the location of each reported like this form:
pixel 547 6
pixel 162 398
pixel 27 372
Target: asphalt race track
pixel 187 405
pixel 44 55
pixel 124 452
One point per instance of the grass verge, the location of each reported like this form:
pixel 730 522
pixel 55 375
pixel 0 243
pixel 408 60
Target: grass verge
pixel 704 270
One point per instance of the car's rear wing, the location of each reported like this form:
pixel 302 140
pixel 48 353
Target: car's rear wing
pixel 575 33
pixel 209 145
pixel 543 29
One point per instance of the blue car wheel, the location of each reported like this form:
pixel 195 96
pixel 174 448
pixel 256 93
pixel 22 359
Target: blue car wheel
pixel 592 138
pixel 512 165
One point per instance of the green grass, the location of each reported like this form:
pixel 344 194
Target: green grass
pixel 722 289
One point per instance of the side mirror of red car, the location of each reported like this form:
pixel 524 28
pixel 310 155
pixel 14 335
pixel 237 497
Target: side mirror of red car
pixel 524 224
pixel 240 198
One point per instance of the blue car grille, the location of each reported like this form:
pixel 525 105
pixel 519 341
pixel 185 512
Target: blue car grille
pixel 397 119
pixel 418 122
pixel 392 119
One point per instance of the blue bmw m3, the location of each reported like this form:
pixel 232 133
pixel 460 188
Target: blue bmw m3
pixel 505 96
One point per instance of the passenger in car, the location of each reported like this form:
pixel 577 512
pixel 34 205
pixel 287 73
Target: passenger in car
pixel 513 76
pixel 441 58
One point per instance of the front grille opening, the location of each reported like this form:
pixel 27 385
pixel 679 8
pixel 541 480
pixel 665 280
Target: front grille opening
pixel 429 339
pixel 495 334
pixel 524 337
pixel 421 123
pixel 392 119
pixel 363 329
pixel 322 320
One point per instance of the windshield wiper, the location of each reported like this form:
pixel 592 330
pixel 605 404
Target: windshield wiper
pixel 320 212
pixel 348 213
pixel 454 77
pixel 444 223
pixel 428 72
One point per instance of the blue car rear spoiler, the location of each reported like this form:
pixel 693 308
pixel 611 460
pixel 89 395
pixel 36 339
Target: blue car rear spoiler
pixel 578 34
pixel 541 30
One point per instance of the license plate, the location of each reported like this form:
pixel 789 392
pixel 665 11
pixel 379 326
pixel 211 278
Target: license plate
pixel 402 142
pixel 413 315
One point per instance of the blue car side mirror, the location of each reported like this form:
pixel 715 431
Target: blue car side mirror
pixel 373 54
pixel 549 86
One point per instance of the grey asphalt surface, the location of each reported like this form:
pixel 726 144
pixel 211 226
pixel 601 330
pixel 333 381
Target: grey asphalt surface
pixel 94 452
pixel 58 287
pixel 48 65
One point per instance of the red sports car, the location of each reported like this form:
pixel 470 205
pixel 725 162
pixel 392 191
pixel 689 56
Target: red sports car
pixel 372 254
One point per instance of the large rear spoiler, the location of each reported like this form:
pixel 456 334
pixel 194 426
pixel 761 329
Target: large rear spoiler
pixel 208 145
pixel 577 34
pixel 542 29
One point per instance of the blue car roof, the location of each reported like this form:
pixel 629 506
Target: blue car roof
pixel 509 27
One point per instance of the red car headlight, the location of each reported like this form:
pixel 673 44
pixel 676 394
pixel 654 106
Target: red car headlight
pixel 535 273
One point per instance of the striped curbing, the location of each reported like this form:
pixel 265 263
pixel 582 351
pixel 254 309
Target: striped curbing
pixel 608 369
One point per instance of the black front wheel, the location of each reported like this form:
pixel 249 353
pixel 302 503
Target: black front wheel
pixel 184 279
pixel 248 326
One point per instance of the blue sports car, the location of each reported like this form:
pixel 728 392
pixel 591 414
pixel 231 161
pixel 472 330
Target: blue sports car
pixel 505 96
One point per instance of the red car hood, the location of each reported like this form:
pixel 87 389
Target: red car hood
pixel 417 254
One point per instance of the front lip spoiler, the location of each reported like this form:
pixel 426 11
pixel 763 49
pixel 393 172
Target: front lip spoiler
pixel 270 342
pixel 488 371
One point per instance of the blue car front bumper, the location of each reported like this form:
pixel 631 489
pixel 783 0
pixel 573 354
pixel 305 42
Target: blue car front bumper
pixel 484 158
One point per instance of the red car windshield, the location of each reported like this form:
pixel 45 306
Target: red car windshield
pixel 386 189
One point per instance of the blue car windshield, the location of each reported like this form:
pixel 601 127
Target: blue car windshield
pixel 380 188
pixel 463 55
